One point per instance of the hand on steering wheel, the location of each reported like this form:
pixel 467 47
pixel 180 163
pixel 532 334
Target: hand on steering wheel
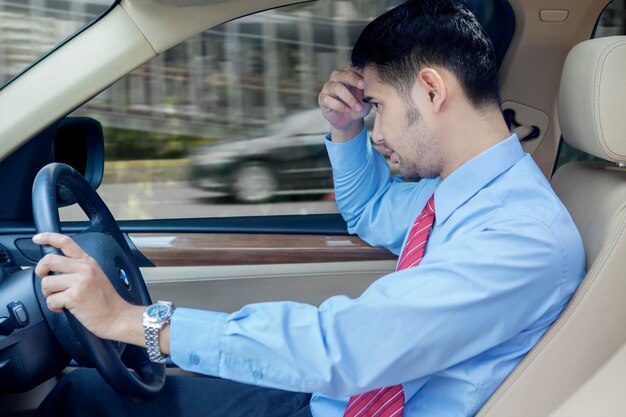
pixel 99 281
pixel 74 281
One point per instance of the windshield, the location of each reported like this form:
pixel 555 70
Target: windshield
pixel 31 28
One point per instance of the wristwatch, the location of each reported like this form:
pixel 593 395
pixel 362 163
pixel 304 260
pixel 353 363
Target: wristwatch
pixel 154 319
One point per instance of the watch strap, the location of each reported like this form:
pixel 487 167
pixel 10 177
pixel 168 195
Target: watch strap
pixel 152 344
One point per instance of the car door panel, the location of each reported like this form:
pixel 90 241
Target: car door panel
pixel 228 288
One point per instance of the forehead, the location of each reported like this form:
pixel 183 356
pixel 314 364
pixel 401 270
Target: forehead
pixel 374 87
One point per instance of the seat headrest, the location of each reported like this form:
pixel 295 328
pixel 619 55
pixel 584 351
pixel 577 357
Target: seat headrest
pixel 592 98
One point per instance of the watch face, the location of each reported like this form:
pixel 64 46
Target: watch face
pixel 158 311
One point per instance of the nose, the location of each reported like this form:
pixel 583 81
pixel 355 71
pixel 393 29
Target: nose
pixel 377 133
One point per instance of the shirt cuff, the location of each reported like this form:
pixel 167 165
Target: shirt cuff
pixel 195 340
pixel 350 155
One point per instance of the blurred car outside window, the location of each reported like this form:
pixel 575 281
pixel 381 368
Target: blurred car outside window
pixel 31 28
pixel 227 123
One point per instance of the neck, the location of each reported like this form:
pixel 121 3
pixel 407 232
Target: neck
pixel 470 133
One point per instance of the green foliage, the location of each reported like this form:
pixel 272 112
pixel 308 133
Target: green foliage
pixel 569 154
pixel 125 145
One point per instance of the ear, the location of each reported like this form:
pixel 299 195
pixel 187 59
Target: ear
pixel 433 88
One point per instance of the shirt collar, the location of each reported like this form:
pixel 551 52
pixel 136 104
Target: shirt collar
pixel 473 175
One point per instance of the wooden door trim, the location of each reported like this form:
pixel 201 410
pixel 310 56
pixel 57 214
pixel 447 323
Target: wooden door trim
pixel 197 249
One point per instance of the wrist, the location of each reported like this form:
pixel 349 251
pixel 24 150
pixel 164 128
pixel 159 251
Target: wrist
pixel 156 320
pixel 347 133
pixel 128 325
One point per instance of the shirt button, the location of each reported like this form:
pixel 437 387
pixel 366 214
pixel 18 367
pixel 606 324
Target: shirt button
pixel 194 359
pixel 257 375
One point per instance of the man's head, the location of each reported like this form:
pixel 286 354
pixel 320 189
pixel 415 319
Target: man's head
pixel 421 59
pixel 430 33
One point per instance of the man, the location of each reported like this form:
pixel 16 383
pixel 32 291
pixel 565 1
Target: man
pixel 489 256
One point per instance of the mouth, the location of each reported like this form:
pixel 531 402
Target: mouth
pixel 393 156
pixel 388 153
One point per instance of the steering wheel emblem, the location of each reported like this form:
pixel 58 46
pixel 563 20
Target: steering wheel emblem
pixel 124 278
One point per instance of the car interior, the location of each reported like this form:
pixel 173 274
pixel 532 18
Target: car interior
pixel 589 332
pixel 560 84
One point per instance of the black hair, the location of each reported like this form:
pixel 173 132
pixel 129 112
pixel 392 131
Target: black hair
pixel 421 33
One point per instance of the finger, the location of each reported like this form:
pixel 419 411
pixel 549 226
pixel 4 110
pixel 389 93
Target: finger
pixel 344 94
pixel 329 97
pixel 55 263
pixel 57 283
pixel 59 241
pixel 56 302
pixel 348 77
pixel 74 292
pixel 332 103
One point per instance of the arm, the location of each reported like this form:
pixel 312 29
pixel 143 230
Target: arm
pixel 368 198
pixel 374 205
pixel 506 279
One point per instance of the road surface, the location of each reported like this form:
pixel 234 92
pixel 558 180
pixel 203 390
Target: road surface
pixel 179 200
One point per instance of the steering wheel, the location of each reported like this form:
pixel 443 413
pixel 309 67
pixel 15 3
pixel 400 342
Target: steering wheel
pixel 105 243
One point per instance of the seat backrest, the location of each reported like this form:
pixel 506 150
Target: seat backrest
pixel 592 115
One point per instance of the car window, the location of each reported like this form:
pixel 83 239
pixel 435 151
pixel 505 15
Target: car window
pixel 31 28
pixel 227 123
pixel 611 22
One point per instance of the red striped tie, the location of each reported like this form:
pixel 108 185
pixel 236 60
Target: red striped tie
pixel 389 401
pixel 416 242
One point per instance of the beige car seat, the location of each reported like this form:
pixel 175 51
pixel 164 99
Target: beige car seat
pixel 592 113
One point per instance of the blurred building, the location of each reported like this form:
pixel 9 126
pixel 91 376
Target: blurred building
pixel 240 76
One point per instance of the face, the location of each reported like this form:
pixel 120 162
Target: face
pixel 402 130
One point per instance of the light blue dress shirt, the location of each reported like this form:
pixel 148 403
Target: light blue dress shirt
pixel 502 260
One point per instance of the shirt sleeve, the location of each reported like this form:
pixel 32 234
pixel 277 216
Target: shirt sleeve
pixel 467 296
pixel 375 205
